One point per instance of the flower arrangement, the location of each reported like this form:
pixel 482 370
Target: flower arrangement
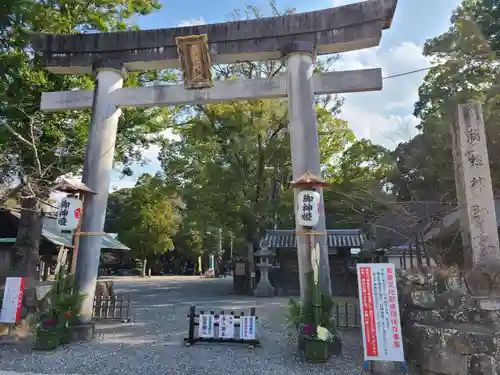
pixel 315 325
pixel 54 324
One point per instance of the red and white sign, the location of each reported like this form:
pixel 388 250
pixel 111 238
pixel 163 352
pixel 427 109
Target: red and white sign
pixel 12 300
pixel 379 308
pixel 69 214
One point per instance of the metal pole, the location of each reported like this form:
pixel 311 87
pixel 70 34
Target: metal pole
pixel 219 252
pixel 96 175
pixel 305 152
pixel 231 248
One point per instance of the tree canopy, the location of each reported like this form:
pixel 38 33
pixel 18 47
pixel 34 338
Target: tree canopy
pixel 146 218
pixel 37 148
pixel 466 68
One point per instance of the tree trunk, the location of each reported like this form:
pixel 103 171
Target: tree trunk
pixel 251 265
pixel 29 233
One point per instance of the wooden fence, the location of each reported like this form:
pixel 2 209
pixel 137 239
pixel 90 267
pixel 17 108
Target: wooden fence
pixel 116 307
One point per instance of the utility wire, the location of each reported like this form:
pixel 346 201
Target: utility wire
pixel 411 72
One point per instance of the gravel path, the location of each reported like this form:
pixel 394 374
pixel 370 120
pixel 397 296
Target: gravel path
pixel 153 344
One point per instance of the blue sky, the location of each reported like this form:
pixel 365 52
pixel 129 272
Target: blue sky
pixel 384 117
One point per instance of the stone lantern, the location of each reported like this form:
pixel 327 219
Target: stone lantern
pixel 264 288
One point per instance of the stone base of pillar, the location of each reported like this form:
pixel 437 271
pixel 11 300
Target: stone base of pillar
pixel 82 332
pixel 264 289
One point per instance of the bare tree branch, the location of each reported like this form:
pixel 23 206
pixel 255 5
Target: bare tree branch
pixel 5 196
pixel 17 135
pixel 33 145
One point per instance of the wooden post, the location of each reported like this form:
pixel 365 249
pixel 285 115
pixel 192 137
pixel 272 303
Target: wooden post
pixel 192 315
pixel 76 236
pixel 75 187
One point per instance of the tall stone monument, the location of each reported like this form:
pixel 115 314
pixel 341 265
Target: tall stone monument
pixel 474 189
pixel 451 317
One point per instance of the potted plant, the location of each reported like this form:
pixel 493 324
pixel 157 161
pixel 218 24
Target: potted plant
pixel 47 333
pixel 315 325
pixel 64 305
pixel 65 328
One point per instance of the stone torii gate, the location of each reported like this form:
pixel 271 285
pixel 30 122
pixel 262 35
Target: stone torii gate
pixel 296 38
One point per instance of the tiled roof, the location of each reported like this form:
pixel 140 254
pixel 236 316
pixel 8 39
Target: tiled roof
pixel 51 233
pixel 286 238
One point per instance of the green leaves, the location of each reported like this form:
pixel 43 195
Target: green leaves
pixel 59 139
pixel 360 186
pixel 145 217
pixel 468 70
pixel 232 162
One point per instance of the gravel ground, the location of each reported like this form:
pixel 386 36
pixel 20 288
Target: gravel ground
pixel 153 344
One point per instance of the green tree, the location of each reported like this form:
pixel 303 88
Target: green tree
pixel 146 218
pixel 39 147
pixel 232 160
pixel 467 69
pixel 360 188
pixel 188 243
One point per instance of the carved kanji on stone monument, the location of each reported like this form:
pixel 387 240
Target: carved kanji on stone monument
pixel 474 189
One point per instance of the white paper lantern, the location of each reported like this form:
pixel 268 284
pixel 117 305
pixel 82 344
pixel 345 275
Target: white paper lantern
pixel 69 214
pixel 308 205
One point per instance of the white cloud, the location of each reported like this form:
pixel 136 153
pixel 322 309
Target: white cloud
pixel 123 183
pixel 192 22
pixel 387 130
pixel 385 117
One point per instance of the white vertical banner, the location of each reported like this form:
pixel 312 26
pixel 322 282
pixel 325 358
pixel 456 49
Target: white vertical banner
pixel 226 326
pixel 247 327
pixel 12 300
pixel 379 310
pixel 206 326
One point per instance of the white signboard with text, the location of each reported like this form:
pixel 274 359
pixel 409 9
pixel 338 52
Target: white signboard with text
pixel 247 327
pixel 226 326
pixel 308 205
pixel 379 310
pixel 206 326
pixel 69 214
pixel 12 300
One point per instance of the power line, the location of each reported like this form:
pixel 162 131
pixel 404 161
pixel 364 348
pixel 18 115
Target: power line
pixel 411 72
